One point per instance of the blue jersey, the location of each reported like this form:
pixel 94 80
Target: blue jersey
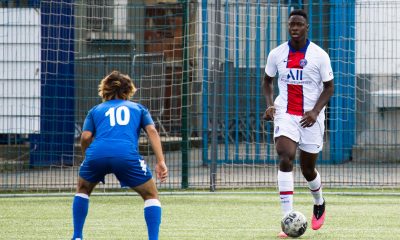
pixel 116 126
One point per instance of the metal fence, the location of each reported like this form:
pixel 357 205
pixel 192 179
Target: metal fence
pixel 199 68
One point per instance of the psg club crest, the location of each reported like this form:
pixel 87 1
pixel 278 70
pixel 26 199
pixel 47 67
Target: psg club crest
pixel 303 62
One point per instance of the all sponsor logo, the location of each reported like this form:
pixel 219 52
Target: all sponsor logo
pixel 295 74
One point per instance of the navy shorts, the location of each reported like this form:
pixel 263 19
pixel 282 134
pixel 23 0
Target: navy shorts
pixel 130 173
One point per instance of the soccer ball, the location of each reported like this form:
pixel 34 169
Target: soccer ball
pixel 294 224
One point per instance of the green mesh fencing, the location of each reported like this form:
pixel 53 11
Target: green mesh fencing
pixel 198 66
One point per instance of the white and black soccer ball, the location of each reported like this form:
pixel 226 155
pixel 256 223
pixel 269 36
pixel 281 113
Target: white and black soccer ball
pixel 294 224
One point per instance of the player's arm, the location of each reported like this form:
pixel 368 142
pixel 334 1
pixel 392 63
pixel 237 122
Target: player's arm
pixel 155 141
pixel 310 117
pixel 87 133
pixel 268 87
pixel 326 73
pixel 325 96
pixel 86 140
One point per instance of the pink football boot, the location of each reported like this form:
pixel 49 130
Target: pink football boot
pixel 318 217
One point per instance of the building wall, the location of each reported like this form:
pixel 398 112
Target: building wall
pixel 377 68
pixel 20 71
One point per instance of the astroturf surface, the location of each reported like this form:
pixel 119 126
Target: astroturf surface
pixel 197 216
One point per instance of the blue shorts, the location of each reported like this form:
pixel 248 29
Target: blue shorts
pixel 130 173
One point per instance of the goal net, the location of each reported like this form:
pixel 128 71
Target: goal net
pixel 198 67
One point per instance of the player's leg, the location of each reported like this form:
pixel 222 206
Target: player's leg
pixel 310 145
pixel 310 173
pixel 286 149
pixel 91 172
pixel 80 206
pixel 152 207
pixel 137 175
pixel 307 163
pixel 286 136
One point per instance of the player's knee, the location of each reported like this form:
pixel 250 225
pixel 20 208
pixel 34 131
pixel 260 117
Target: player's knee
pixel 83 190
pixel 152 193
pixel 285 157
pixel 308 173
pixel 285 154
pixel 149 195
pixel 84 187
pixel 147 190
pixel 285 163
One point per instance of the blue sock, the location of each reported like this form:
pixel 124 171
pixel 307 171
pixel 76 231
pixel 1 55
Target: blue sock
pixel 152 215
pixel 80 208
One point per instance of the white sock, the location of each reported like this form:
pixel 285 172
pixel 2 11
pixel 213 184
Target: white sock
pixel 82 195
pixel 316 189
pixel 286 187
pixel 152 202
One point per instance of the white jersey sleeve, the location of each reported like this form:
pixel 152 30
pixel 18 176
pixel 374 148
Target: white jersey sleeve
pixel 270 67
pixel 325 69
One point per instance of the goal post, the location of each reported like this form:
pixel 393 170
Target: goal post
pixel 54 143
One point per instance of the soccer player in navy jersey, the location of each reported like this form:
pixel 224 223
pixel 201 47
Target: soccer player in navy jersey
pixel 109 143
pixel 305 86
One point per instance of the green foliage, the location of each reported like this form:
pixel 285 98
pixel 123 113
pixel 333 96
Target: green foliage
pixel 228 216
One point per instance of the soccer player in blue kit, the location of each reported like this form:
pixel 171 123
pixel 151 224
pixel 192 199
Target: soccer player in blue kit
pixel 109 143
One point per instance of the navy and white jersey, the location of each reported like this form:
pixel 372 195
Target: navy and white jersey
pixel 301 76
pixel 116 126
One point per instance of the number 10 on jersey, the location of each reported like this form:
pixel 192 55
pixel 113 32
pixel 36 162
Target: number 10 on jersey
pixel 117 116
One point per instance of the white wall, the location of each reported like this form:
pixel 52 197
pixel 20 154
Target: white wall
pixel 19 70
pixel 378 56
pixel 377 37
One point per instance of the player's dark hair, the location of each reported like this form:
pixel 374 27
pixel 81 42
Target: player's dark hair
pixel 116 86
pixel 299 12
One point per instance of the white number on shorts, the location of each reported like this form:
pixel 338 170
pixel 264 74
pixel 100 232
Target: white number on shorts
pixel 143 165
pixel 117 115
